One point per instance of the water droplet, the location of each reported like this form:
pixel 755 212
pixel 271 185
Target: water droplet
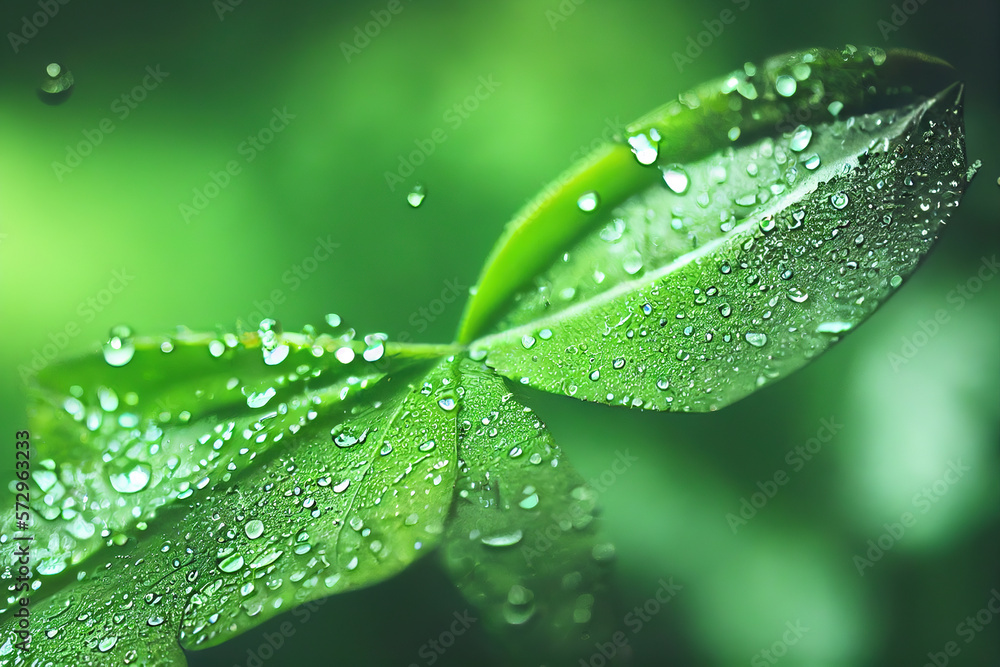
pixel 530 502
pixel 260 399
pixel 375 346
pixel 107 644
pixel 108 399
pixel 618 363
pixel 342 486
pixel 527 341
pixel 662 384
pixel 415 197
pixel 132 480
pixel 896 280
pixel 345 354
pixel 839 200
pixel 756 339
pixel 57 86
pixel 503 539
pixel 588 201
pixel 785 85
pixel 833 327
pixel 254 528
pixel 797 295
pixel 644 147
pixel 595 375
pixel 265 559
pixel 231 563
pixel 447 403
pixel 632 262
pixel 725 310
pixel 800 138
pixel 676 178
pixel 119 349
pixel 811 161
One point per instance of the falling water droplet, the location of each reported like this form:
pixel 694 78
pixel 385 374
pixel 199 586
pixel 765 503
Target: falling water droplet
pixel 57 86
pixel 119 349
pixel 415 197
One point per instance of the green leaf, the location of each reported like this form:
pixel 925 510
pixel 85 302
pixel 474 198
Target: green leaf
pixel 762 242
pixel 245 507
pixel 522 543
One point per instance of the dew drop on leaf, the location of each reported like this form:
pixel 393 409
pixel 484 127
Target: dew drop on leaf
pixel 676 178
pixel 588 201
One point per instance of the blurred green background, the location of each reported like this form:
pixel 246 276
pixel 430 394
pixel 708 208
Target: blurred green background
pixel 566 75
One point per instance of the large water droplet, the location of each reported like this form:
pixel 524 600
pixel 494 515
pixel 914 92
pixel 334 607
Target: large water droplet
pixel 231 563
pixel 119 349
pixel 676 178
pixel 785 85
pixel 756 339
pixel 254 528
pixel 800 138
